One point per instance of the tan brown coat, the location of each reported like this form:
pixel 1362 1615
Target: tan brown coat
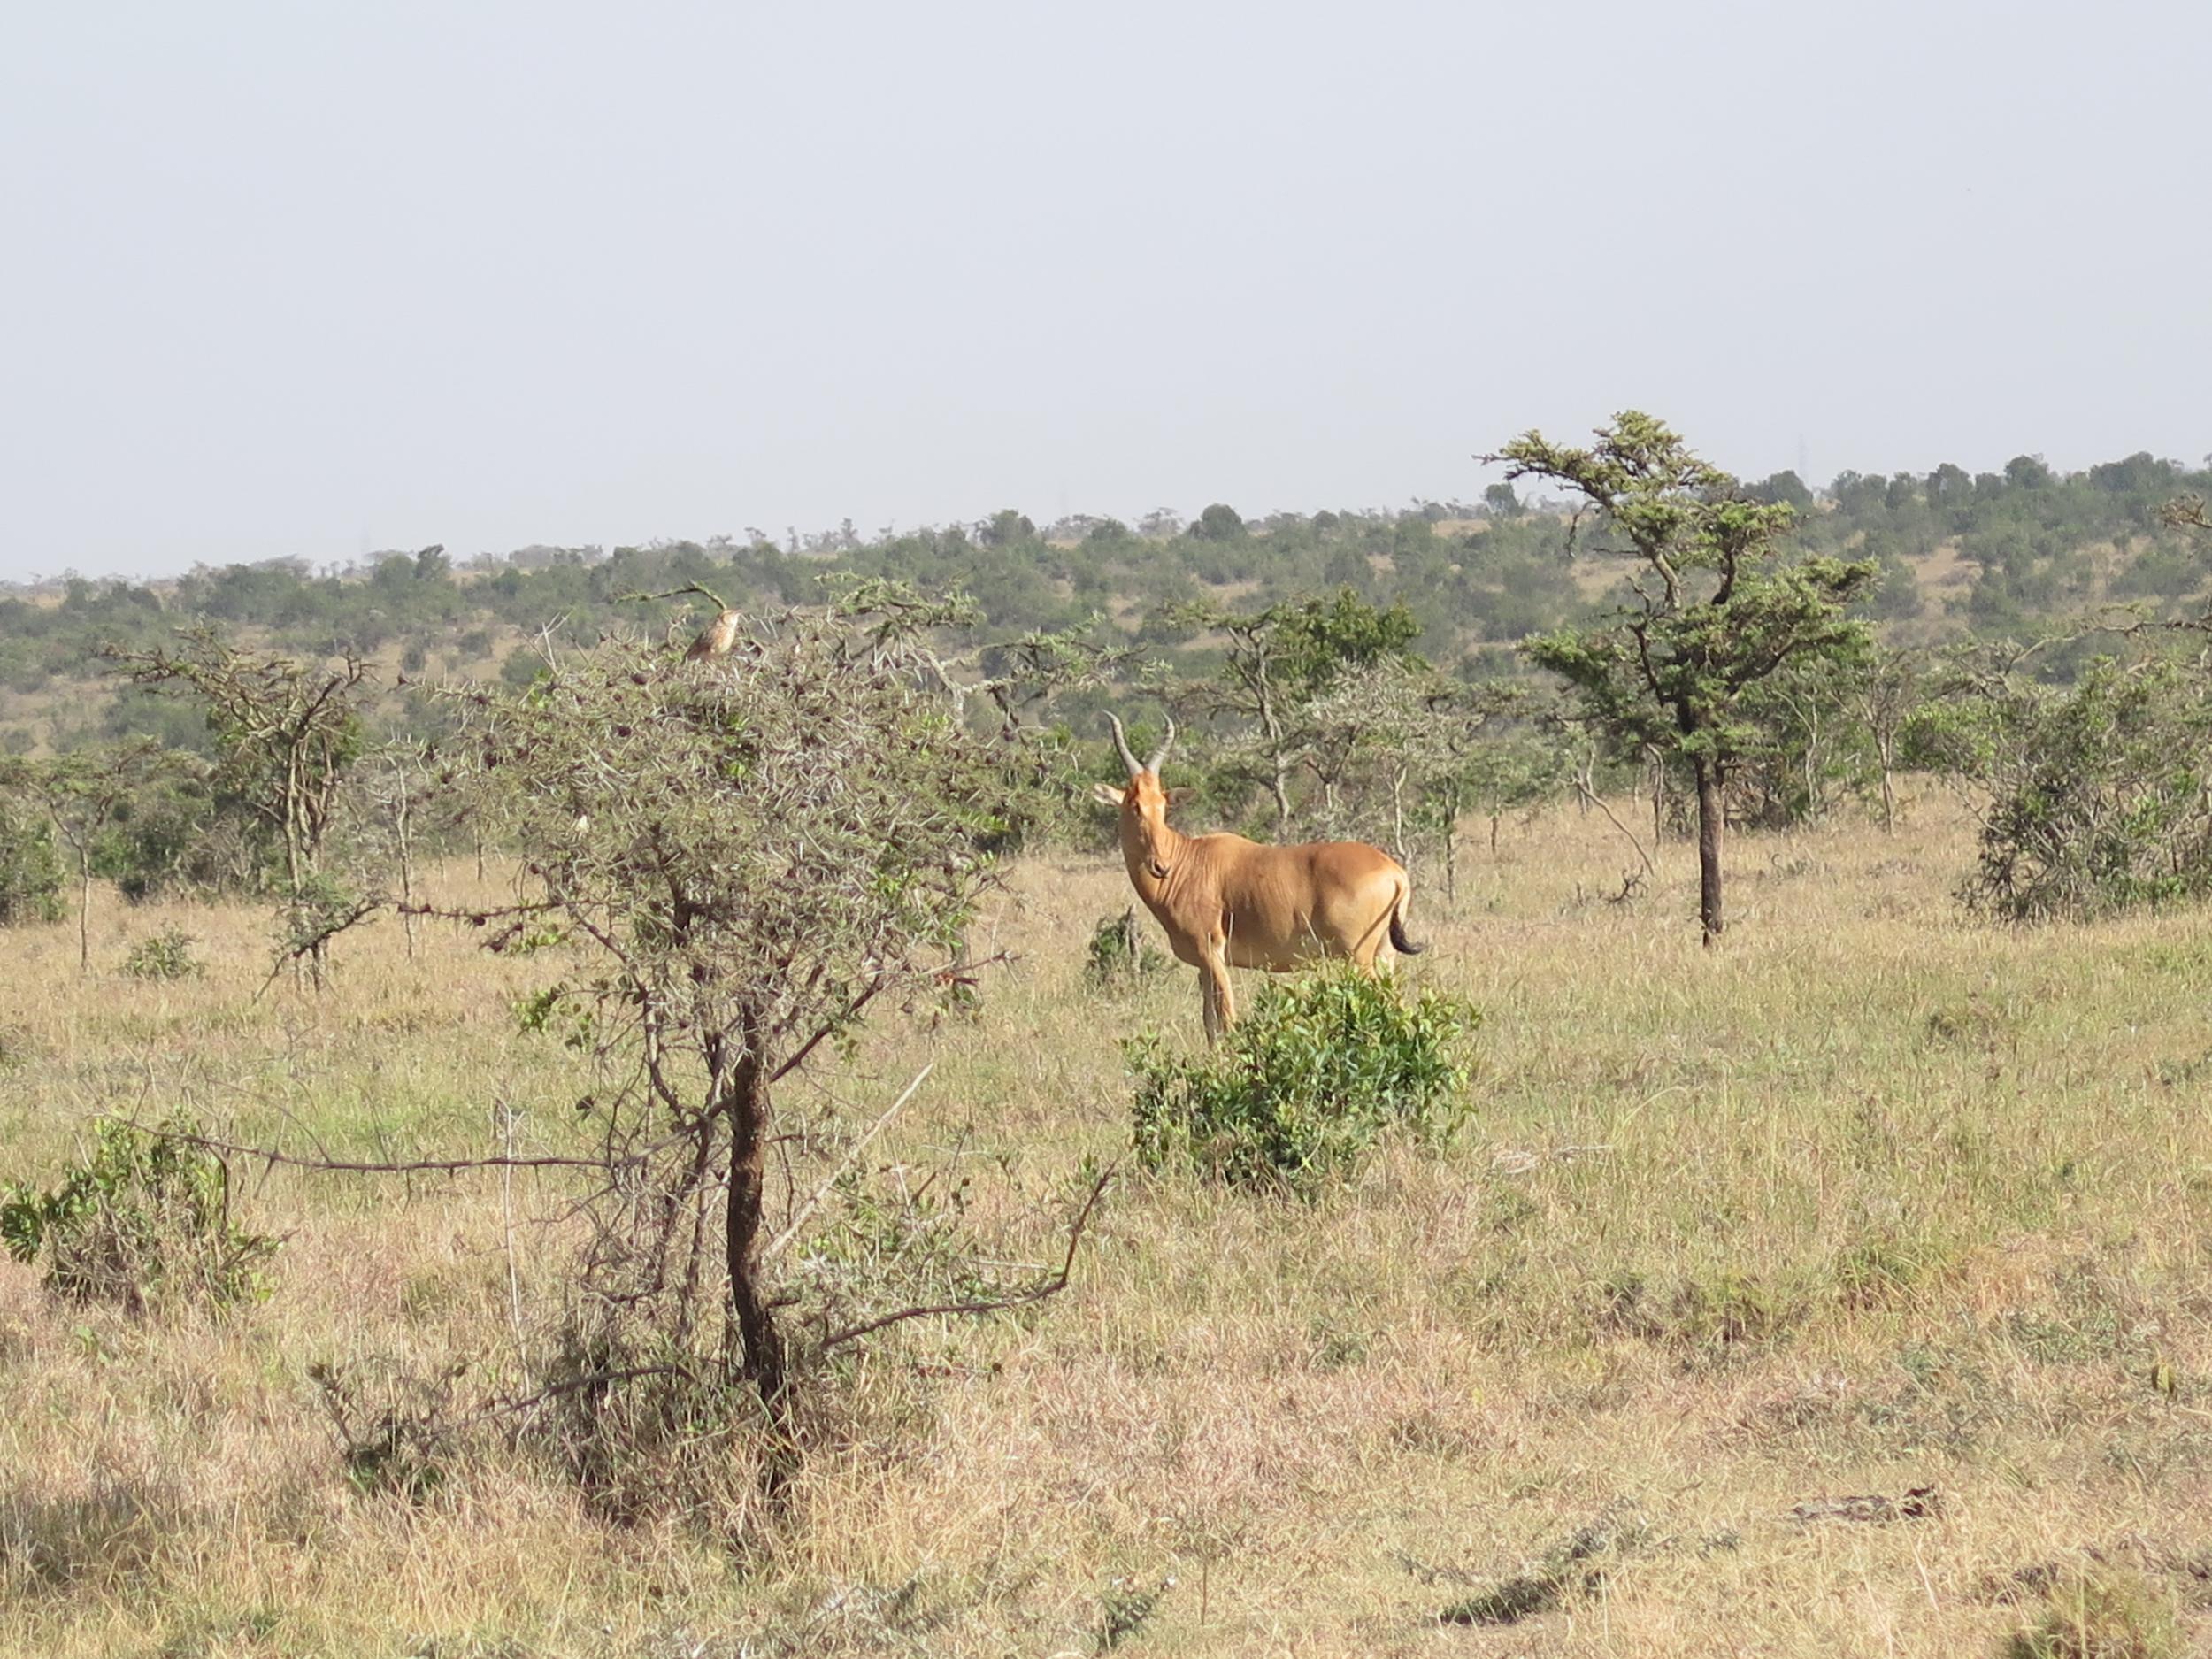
pixel 1229 902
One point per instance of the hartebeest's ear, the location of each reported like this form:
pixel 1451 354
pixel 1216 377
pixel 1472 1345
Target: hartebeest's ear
pixel 1106 794
pixel 1181 794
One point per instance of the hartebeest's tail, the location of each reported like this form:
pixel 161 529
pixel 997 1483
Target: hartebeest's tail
pixel 1405 946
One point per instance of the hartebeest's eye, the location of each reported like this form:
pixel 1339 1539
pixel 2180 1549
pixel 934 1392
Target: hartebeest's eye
pixel 1159 869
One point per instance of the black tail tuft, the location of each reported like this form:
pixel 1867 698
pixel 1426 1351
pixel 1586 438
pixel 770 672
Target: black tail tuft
pixel 1405 947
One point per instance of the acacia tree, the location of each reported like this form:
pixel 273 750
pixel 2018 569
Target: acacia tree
pixel 392 784
pixel 2093 797
pixel 1387 744
pixel 1279 658
pixel 1885 694
pixel 84 794
pixel 1718 609
pixel 288 732
pixel 1486 751
pixel 739 857
pixel 1370 725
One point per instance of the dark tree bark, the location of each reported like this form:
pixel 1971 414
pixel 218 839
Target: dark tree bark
pixel 1711 825
pixel 84 908
pixel 758 1352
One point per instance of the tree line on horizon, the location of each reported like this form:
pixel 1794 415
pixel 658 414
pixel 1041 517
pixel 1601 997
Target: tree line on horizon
pixel 1478 577
pixel 1380 676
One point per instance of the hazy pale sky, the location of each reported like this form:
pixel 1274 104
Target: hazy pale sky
pixel 308 278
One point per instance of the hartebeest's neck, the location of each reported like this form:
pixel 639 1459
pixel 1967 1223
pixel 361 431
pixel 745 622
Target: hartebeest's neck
pixel 1152 851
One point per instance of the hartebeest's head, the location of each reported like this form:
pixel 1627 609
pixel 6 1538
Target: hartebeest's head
pixel 1143 804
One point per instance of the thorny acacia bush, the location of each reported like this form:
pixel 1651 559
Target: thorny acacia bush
pixel 144 1219
pixel 732 860
pixel 2097 796
pixel 1306 1082
pixel 289 732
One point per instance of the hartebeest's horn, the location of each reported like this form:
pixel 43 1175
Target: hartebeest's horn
pixel 1121 742
pixel 1166 743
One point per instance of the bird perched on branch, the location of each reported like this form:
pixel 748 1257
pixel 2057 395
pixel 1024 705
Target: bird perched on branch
pixel 716 638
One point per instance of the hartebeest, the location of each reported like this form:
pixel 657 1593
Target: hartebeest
pixel 1228 903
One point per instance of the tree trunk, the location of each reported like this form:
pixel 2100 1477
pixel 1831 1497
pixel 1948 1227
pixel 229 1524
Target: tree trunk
pixel 1711 824
pixel 294 875
pixel 407 867
pixel 1813 807
pixel 84 909
pixel 759 1352
pixel 1280 752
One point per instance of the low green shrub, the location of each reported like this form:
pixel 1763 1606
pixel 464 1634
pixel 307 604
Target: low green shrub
pixel 1120 955
pixel 1305 1083
pixel 167 955
pixel 144 1219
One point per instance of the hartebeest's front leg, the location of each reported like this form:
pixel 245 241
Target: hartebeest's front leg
pixel 1213 981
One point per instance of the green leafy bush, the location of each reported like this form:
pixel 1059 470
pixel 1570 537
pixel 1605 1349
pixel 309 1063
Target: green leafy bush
pixel 1306 1082
pixel 2098 797
pixel 1120 955
pixel 167 955
pixel 30 872
pixel 144 1219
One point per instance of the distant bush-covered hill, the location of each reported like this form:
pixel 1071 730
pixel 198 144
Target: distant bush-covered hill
pixel 1990 553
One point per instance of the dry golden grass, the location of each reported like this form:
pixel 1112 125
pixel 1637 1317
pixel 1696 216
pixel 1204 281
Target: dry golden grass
pixel 1874 1198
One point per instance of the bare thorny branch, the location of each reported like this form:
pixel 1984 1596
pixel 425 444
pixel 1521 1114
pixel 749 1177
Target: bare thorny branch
pixel 1051 1285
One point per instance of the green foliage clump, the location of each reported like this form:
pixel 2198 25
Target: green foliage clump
pixel 2099 798
pixel 30 872
pixel 1306 1082
pixel 167 955
pixel 1120 955
pixel 521 668
pixel 2100 1614
pixel 144 1219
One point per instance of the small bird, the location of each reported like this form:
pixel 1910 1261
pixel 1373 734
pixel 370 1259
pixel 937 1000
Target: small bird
pixel 716 639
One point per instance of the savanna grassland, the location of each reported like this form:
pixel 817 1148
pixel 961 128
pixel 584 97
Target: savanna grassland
pixel 1874 1198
